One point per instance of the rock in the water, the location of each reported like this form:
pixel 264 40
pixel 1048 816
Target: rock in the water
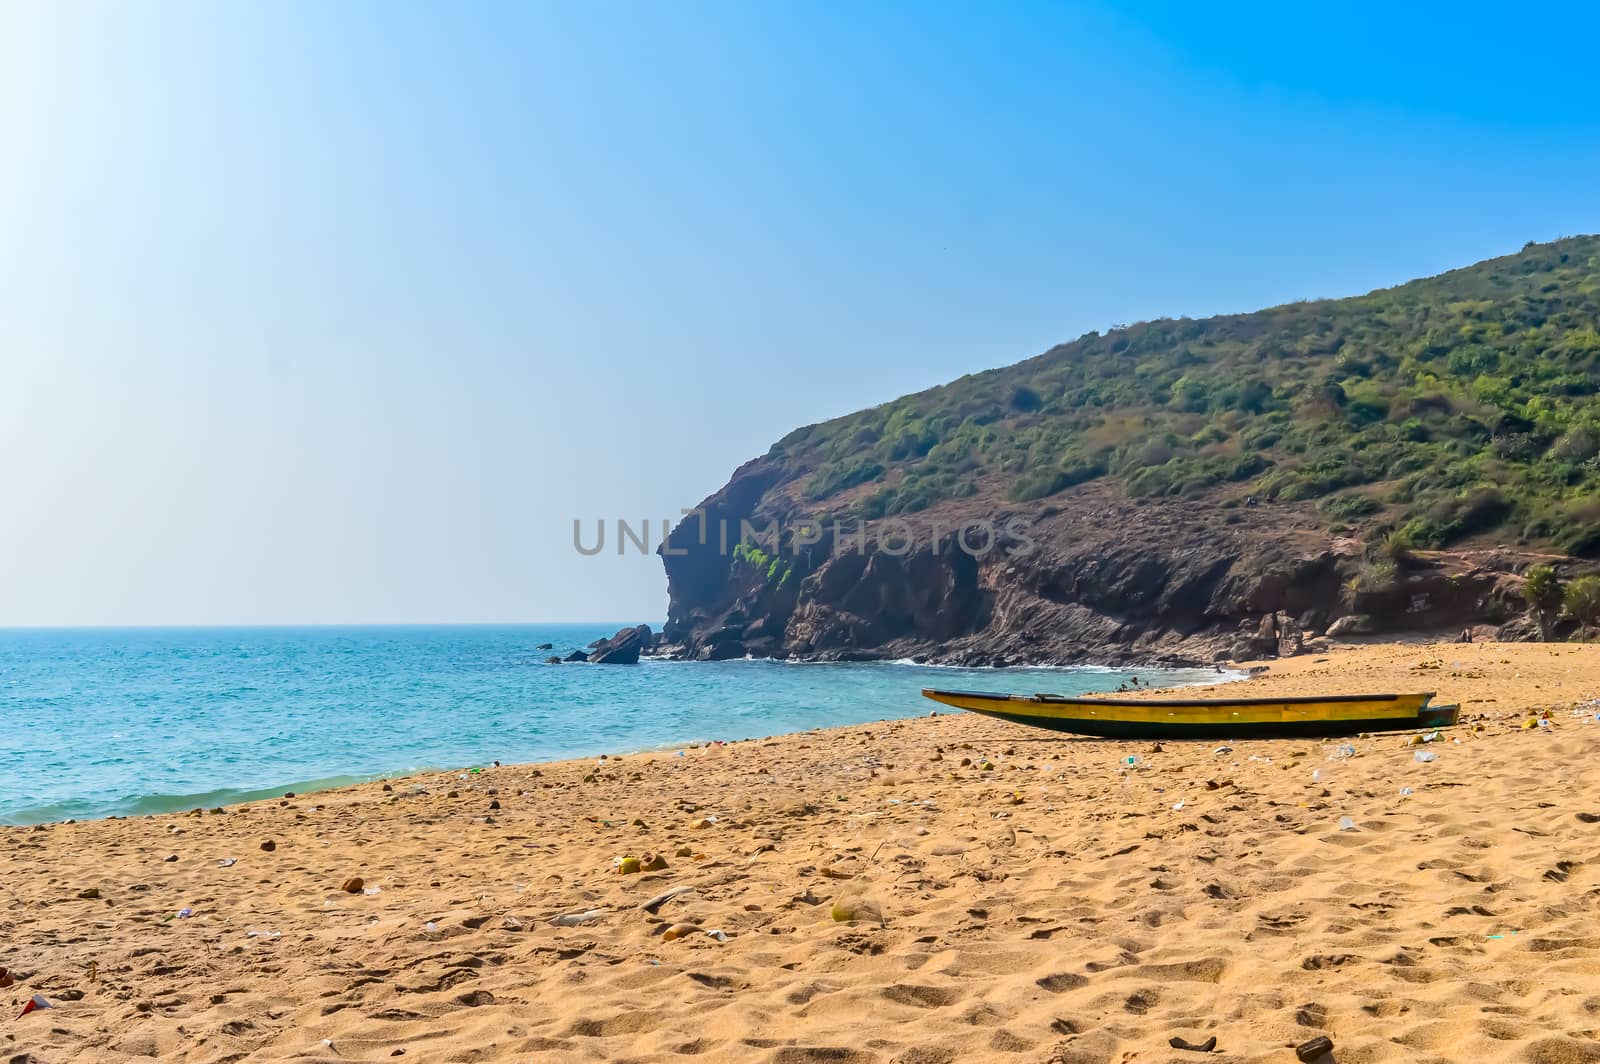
pixel 576 655
pixel 545 646
pixel 722 651
pixel 623 648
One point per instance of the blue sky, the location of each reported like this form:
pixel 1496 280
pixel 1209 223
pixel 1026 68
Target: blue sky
pixel 342 313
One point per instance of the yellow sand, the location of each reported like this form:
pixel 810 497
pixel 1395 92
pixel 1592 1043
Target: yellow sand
pixel 1056 907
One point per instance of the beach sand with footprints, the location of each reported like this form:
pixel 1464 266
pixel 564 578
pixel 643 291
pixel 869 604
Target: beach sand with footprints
pixel 927 890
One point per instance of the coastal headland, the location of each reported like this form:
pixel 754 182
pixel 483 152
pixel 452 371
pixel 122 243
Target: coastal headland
pixel 1185 491
pixel 920 890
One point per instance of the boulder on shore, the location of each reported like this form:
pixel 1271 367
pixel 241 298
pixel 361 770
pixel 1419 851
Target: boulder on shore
pixel 1352 624
pixel 623 648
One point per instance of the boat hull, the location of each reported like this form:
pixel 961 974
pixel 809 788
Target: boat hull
pixel 1237 718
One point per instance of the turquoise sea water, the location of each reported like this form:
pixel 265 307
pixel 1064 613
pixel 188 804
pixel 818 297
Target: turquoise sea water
pixel 104 722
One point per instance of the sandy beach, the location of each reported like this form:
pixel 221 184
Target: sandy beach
pixel 1016 895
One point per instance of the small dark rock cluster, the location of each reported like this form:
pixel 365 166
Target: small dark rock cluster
pixel 624 648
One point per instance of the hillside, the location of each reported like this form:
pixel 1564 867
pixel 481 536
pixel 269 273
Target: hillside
pixel 1356 435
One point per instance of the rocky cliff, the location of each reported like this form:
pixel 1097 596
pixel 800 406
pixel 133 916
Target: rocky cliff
pixel 1181 491
pixel 1092 578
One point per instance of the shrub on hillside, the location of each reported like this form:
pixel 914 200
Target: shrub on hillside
pixel 1582 600
pixel 1348 507
pixel 1544 595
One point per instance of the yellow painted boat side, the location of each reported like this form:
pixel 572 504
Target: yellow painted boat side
pixel 1200 712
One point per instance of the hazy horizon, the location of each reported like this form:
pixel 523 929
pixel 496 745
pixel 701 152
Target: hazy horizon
pixel 340 316
pixel 291 625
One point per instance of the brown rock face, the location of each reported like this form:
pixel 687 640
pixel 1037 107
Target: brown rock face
pixel 1085 576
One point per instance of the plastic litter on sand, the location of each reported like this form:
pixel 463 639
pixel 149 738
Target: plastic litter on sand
pixel 574 919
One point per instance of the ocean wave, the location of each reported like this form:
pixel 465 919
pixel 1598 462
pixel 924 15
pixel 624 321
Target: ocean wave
pixel 152 804
pixel 1017 668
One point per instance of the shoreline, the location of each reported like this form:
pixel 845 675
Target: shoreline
pixel 130 806
pixel 1008 894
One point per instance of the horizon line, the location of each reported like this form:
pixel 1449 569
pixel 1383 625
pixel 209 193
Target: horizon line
pixel 306 624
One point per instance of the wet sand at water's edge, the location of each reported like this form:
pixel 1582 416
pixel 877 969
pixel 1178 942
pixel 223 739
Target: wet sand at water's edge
pixel 1018 895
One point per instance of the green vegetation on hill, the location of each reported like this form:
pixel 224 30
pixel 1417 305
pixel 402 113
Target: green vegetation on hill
pixel 773 569
pixel 1446 407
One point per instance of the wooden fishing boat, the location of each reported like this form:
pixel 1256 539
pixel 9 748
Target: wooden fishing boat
pixel 1220 718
